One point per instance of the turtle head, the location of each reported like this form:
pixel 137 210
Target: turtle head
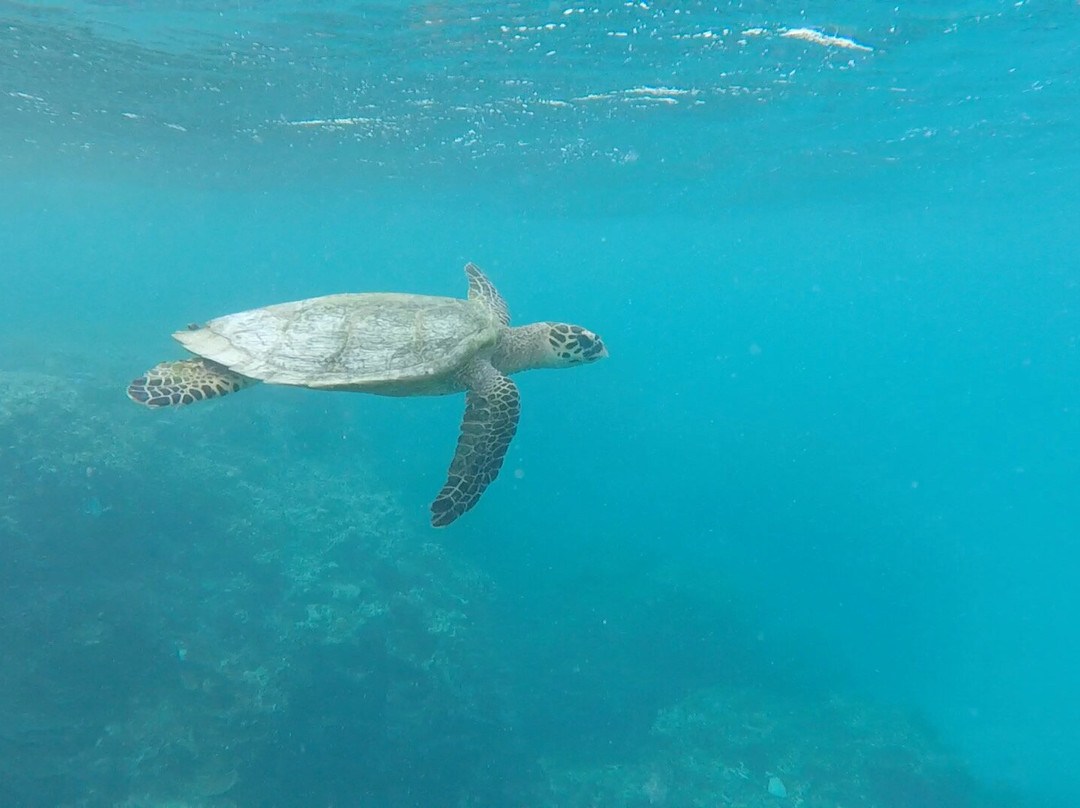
pixel 573 345
pixel 546 345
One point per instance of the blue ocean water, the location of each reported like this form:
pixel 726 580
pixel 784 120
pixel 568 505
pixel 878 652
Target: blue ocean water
pixel 814 519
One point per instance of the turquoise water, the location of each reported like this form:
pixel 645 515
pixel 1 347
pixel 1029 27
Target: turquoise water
pixel 814 518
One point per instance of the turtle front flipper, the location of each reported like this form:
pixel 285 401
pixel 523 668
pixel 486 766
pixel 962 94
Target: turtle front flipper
pixel 173 384
pixel 484 291
pixel 492 408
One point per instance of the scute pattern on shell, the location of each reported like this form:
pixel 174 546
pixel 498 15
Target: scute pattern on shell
pixel 349 341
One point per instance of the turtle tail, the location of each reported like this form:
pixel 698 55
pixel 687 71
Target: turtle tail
pixel 173 384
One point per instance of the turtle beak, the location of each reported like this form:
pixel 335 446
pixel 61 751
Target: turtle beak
pixel 599 349
pixel 589 347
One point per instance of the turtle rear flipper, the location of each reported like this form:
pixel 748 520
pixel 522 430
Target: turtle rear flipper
pixel 173 384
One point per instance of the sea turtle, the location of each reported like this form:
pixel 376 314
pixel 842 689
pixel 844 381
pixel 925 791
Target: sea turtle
pixel 390 345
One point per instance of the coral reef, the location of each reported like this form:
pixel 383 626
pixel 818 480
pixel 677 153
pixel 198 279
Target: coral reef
pixel 177 615
pixel 760 748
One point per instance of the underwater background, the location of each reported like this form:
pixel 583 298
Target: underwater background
pixel 806 538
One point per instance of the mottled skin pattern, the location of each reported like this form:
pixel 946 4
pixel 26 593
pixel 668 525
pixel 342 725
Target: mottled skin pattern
pixel 171 384
pixel 386 344
pixel 482 290
pixel 492 407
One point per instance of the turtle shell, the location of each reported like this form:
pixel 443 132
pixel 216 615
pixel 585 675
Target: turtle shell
pixel 394 343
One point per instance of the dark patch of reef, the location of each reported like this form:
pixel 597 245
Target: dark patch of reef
pixel 753 748
pixel 186 605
